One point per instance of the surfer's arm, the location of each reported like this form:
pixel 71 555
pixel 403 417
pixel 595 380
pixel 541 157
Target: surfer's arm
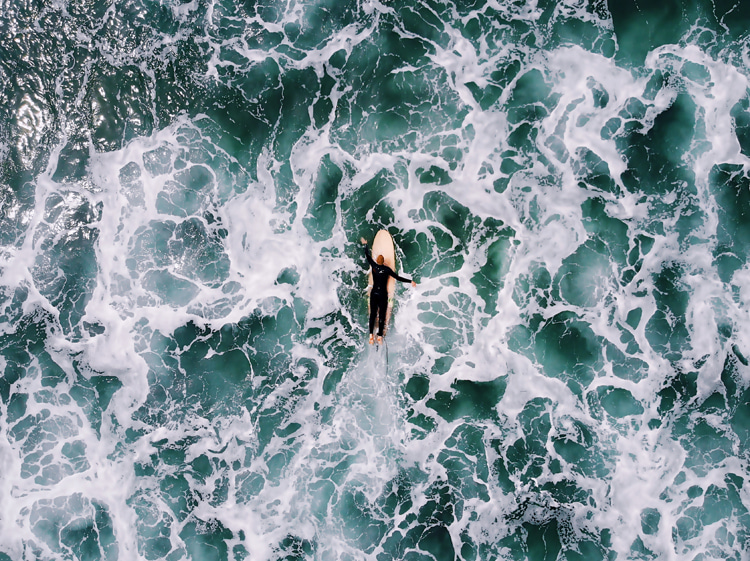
pixel 398 278
pixel 369 257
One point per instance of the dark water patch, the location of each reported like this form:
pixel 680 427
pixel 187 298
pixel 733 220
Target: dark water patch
pixel 640 246
pixel 441 507
pixel 508 167
pixel 533 286
pixel 584 275
pixel 75 526
pixel 611 128
pixel 191 248
pixel 406 100
pixel 131 185
pixel 65 269
pixel 177 495
pixel 461 229
pixel 417 387
pixel 439 207
pixel 705 445
pixel 169 289
pixel 434 175
pixel 655 159
pixel 25 343
pixel 667 330
pixel 587 550
pixel 294 548
pixel 566 491
pixel 120 106
pixel 365 210
pixel 568 349
pixel 133 25
pixel 321 213
pixel 618 402
pixel 490 278
pixel 288 275
pixel 731 190
pixel 650 520
pixel 298 89
pixel 543 541
pixel 178 83
pixel 625 366
pixel 437 542
pixel 526 457
pixel 639 551
pixel 465 462
pixel 322 21
pixel 427 21
pixel 499 80
pixel 522 139
pixel 469 399
pixel 446 253
pixel 581 450
pixel 93 395
pixel 153 524
pixel 181 371
pixel 206 540
pixel 17 195
pixel 96 73
pixel 733 16
pixel 741 115
pixel 593 172
pixel 634 317
pixel 590 30
pixel 448 327
pixel 737 396
pixel 531 100
pixel 641 28
pixel 323 108
pixel 678 390
pixel 421 425
pixel 16 407
pixel 32 50
pixel 247 109
pixel 361 523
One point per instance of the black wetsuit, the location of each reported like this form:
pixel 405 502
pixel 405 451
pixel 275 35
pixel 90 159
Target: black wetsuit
pixel 379 292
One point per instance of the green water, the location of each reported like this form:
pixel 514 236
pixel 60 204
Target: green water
pixel 185 372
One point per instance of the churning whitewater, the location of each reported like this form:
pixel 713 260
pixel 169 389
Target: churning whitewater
pixel 183 319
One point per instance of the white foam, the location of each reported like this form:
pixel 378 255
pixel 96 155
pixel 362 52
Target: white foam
pixel 364 418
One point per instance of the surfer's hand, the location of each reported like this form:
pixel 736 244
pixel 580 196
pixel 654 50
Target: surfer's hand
pixel 414 283
pixel 364 241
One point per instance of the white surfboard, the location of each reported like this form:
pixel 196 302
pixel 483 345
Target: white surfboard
pixel 383 245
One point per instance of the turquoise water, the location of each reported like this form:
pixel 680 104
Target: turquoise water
pixel 183 321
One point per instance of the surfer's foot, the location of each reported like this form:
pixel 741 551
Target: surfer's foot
pixel 372 340
pixel 380 340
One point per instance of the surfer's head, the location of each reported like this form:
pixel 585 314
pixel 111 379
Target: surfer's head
pixel 379 260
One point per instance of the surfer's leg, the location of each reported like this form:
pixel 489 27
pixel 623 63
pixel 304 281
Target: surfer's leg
pixel 382 309
pixel 373 313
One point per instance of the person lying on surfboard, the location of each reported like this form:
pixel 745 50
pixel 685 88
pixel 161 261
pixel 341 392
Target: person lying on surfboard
pixel 379 292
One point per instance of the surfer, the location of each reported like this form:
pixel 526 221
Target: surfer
pixel 379 292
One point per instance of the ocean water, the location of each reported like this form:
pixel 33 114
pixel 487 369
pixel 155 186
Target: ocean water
pixel 185 373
